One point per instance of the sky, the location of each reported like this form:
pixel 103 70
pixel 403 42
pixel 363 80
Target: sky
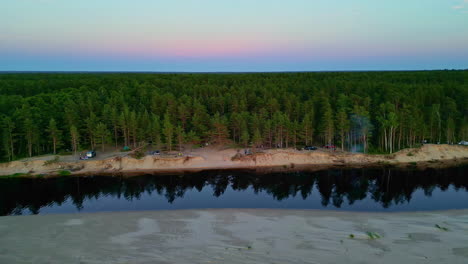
pixel 233 35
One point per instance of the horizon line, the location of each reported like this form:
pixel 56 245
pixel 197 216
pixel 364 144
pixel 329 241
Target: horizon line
pixel 225 72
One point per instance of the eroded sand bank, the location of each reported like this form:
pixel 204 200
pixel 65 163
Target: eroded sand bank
pixel 210 158
pixel 236 236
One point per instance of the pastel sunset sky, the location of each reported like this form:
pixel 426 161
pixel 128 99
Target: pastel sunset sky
pixel 237 35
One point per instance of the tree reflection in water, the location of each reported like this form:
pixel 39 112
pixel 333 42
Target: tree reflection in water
pixel 386 187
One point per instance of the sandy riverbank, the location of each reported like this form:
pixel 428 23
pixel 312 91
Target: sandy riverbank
pixel 211 158
pixel 236 236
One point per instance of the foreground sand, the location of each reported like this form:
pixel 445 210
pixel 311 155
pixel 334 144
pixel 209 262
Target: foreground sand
pixel 235 236
pixel 213 158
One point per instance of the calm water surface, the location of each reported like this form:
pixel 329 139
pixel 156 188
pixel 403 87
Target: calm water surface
pixel 349 189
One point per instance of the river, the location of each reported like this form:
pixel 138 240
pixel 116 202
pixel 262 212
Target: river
pixel 370 190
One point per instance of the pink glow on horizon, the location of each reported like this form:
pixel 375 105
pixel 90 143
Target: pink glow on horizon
pixel 236 46
pixel 186 48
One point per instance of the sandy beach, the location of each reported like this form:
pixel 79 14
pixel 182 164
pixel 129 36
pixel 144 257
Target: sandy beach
pixel 211 158
pixel 236 236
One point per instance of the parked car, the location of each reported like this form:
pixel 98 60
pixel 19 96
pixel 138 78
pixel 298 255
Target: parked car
pixel 310 148
pixel 329 146
pixel 91 154
pixel 463 143
pixel 156 152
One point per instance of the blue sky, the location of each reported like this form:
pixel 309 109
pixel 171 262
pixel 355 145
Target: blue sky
pixel 242 35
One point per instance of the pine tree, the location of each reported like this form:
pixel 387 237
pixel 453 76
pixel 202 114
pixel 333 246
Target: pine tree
pixel 180 134
pixel 111 117
pixel 133 127
pixel 155 131
pixel 436 121
pixel 124 128
pixel 200 120
pixel 91 123
pixel 30 134
pixel 75 138
pixel 219 131
pixel 183 114
pixel 9 137
pixel 342 125
pixel 245 137
pixel 326 123
pixel 102 135
pixel 257 138
pixel 55 135
pixel 307 129
pixel 168 131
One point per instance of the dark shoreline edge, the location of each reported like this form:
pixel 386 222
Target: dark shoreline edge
pixel 291 168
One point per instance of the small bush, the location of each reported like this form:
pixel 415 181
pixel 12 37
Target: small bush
pixel 441 227
pixel 373 235
pixel 64 173
pixel 52 161
pixel 410 154
pixel 16 175
pixel 137 155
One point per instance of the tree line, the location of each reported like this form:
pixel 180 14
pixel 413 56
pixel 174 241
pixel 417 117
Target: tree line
pixel 43 113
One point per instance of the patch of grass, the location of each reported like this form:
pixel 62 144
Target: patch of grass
pixel 351 236
pixel 65 153
pixel 443 228
pixel 64 173
pixel 410 154
pixel 17 175
pixel 413 163
pixel 373 235
pixel 52 161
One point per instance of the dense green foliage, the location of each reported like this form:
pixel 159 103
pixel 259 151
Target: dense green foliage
pixel 381 111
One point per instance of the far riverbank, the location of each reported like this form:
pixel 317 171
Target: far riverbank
pixel 272 160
